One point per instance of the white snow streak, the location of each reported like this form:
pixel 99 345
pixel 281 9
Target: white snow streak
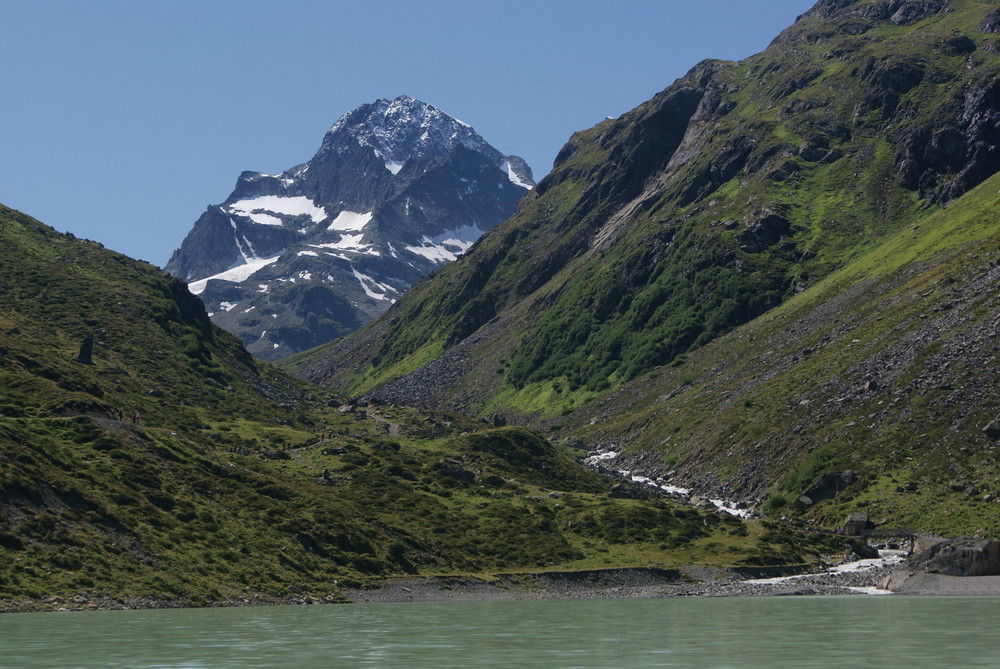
pixel 370 285
pixel 349 221
pixel 448 245
pixel 264 209
pixel 514 178
pixel 237 274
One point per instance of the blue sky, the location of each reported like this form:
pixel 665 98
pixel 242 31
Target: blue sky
pixel 123 119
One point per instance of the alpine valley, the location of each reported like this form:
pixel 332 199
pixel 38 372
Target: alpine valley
pixel 776 283
pixel 147 460
pixel 397 188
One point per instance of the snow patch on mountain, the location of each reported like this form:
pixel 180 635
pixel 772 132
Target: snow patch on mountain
pixel 350 220
pixel 237 274
pixel 448 245
pixel 371 286
pixel 265 209
pixel 351 243
pixel 514 177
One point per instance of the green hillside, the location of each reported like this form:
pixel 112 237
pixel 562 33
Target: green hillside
pixel 887 367
pixel 723 196
pixel 238 483
pixel 773 270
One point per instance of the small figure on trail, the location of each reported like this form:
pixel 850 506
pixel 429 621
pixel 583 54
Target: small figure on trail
pixel 135 419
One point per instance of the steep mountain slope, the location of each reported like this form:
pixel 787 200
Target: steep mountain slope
pixel 396 189
pixel 734 189
pixel 886 369
pixel 235 483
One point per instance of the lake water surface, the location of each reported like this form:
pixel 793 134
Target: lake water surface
pixel 773 632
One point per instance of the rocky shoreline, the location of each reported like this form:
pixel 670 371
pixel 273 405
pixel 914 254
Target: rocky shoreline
pixel 959 566
pixel 624 583
pixel 637 583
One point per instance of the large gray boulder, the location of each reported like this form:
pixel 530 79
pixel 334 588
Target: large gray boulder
pixel 960 556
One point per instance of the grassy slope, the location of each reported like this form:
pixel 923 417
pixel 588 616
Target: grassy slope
pixel 622 260
pixel 241 481
pixel 887 367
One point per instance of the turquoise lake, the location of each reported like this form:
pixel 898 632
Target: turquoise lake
pixel 799 632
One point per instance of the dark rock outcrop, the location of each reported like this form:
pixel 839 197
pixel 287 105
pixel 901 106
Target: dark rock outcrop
pixel 829 485
pixel 85 356
pixel 991 24
pixel 992 430
pixel 961 556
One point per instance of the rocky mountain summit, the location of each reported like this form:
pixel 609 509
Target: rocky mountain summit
pixel 396 189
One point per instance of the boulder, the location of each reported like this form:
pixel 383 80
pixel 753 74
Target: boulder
pixel 628 491
pixel 699 502
pixel 830 484
pixel 762 232
pixel 992 431
pixel 960 556
pixel 275 455
pixel 85 356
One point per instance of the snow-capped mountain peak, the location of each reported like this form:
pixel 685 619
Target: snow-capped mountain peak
pixel 397 188
pixel 404 129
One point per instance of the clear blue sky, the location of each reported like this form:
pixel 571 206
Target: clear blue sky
pixel 122 120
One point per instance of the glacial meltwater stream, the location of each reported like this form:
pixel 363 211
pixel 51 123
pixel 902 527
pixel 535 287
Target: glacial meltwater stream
pixel 772 632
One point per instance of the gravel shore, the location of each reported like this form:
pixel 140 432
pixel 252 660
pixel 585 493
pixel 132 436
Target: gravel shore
pixel 634 583
pixel 621 584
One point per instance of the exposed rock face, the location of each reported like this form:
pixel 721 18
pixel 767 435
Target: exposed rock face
pixel 86 353
pixel 397 189
pixel 991 24
pixel 899 12
pixel 961 556
pixel 830 485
